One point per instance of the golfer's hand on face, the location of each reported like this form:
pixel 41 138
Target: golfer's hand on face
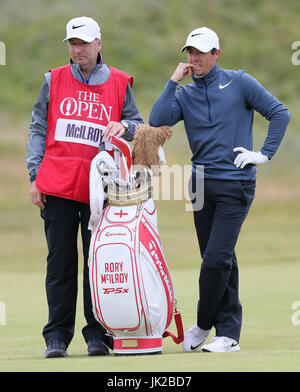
pixel 113 129
pixel 182 70
pixel 37 198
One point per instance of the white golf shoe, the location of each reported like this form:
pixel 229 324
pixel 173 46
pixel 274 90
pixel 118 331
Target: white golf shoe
pixel 221 344
pixel 194 337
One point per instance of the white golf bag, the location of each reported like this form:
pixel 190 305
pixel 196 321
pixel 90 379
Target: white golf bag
pixel 131 286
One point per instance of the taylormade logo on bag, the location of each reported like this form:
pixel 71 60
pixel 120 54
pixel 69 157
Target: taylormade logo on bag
pixel 107 234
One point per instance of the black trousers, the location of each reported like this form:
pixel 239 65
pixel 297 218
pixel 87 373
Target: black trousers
pixel 62 219
pixel 218 224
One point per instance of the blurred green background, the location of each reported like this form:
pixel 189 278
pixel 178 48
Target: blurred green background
pixel 143 38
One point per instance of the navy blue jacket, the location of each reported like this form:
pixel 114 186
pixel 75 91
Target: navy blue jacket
pixel 217 111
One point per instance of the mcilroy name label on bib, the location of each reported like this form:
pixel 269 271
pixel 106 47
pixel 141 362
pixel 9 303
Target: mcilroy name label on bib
pixel 76 131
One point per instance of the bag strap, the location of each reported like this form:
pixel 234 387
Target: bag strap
pixel 179 327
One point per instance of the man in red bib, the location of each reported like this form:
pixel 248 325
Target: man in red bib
pixel 79 105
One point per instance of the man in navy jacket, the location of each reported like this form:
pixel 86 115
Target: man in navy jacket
pixel 217 110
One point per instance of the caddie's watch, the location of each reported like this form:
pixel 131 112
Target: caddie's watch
pixel 125 124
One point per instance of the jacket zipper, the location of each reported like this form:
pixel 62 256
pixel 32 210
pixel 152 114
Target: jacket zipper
pixel 207 100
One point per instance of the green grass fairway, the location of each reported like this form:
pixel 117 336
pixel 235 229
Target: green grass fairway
pixel 268 252
pixel 269 341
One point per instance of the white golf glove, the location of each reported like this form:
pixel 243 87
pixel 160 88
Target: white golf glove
pixel 246 157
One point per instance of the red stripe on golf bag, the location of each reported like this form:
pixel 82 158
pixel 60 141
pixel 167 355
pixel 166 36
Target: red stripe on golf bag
pixel 151 241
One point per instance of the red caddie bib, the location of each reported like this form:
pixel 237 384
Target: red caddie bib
pixel 77 114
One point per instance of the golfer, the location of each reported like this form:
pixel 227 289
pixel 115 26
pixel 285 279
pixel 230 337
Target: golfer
pixel 217 109
pixel 79 105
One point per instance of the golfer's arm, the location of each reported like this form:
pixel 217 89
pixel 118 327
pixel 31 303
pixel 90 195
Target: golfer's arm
pixel 269 107
pixel 276 130
pixel 37 132
pixel 166 110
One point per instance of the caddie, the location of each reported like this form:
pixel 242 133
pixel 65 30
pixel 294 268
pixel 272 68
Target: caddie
pixel 217 108
pixel 79 104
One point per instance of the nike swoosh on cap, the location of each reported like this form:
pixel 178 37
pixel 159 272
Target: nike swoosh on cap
pixel 76 27
pixel 224 85
pixel 193 35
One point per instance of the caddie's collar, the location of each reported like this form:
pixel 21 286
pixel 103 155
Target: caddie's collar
pixel 76 71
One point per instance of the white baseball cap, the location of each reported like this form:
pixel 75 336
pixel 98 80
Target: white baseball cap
pixel 84 28
pixel 203 39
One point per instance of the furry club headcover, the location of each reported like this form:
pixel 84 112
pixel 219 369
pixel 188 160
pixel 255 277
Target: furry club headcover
pixel 146 142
